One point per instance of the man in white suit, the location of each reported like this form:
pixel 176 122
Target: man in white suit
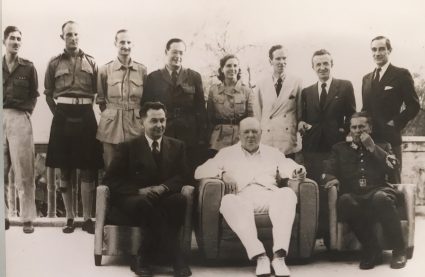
pixel 279 104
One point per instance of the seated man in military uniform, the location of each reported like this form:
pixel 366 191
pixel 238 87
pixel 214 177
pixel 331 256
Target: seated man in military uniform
pixel 360 169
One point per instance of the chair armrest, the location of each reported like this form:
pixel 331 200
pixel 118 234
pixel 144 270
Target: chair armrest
pixel 409 191
pixel 333 217
pixel 211 192
pixel 307 192
pixel 102 202
pixel 186 233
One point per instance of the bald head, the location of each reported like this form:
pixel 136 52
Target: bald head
pixel 250 134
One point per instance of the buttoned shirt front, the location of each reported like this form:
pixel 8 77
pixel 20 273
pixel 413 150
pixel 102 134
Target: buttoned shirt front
pixel 120 87
pixel 20 87
pixel 69 76
pixel 260 167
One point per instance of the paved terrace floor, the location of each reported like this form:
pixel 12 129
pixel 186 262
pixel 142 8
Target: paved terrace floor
pixel 50 253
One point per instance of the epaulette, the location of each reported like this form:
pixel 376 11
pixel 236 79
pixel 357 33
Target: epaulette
pixel 25 61
pixel 141 65
pixel 109 62
pixel 89 56
pixel 56 57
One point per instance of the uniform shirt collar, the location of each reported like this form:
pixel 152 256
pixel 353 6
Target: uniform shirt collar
pixel 150 141
pixel 66 53
pixel 170 71
pixel 237 87
pixel 118 64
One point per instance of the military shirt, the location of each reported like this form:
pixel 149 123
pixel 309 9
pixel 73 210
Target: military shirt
pixel 358 170
pixel 66 78
pixel 20 87
pixel 120 87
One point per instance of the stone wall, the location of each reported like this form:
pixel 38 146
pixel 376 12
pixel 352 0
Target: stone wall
pixel 413 170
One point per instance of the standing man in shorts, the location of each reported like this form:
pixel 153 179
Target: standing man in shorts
pixel 70 86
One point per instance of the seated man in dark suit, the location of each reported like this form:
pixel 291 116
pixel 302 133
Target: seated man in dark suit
pixel 360 169
pixel 145 179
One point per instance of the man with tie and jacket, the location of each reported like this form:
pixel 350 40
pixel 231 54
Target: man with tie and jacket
pixel 278 105
pixel 385 91
pixel 145 179
pixel 326 110
pixel 180 90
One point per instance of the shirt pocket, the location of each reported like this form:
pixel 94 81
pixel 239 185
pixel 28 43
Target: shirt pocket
pixel 85 75
pixel 136 86
pixel 109 114
pixel 21 88
pixel 114 88
pixel 62 78
pixel 240 103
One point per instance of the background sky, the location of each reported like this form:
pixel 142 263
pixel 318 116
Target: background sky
pixel 345 28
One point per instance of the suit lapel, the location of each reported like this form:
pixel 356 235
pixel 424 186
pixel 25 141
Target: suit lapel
pixel 315 95
pixel 182 76
pixel 142 154
pixel 388 75
pixel 333 90
pixel 165 151
pixel 283 98
pixel 166 76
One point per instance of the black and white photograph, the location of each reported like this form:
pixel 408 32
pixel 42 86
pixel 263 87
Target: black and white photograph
pixel 213 138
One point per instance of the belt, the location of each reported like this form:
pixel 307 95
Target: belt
pixel 74 100
pixel 230 121
pixel 123 106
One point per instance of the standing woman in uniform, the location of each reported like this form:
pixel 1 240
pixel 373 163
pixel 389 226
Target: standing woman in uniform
pixel 228 103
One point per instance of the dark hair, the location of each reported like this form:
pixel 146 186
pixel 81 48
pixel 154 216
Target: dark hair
pixel 119 32
pixel 174 40
pixel 10 29
pixel 321 52
pixel 387 41
pixel 363 114
pixel 66 23
pixel 274 48
pixel 151 106
pixel 223 62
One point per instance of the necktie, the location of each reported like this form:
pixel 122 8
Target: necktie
pixel 323 95
pixel 377 76
pixel 278 86
pixel 174 77
pixel 155 152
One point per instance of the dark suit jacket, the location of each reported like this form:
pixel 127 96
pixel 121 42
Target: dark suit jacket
pixel 187 117
pixel 340 105
pixel 345 165
pixel 134 167
pixel 385 100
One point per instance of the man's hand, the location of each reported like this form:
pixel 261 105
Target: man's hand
pixel 299 173
pixel 230 183
pixel 367 142
pixel 152 192
pixel 303 127
pixel 391 123
pixel 332 183
pixel 102 107
pixel 391 161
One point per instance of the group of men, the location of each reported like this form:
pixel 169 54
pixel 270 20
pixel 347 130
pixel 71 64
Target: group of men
pixel 153 129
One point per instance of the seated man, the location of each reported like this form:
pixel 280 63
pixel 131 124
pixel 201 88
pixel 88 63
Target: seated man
pixel 360 170
pixel 145 179
pixel 251 170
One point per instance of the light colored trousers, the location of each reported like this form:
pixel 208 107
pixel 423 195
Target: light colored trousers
pixel 239 211
pixel 18 152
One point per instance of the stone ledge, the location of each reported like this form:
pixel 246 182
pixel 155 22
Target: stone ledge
pixel 48 221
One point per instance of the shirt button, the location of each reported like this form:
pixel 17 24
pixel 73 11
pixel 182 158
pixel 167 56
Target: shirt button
pixel 361 160
pixel 271 117
pixel 286 129
pixel 284 115
pixel 268 130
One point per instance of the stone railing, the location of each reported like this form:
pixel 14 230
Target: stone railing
pixel 413 170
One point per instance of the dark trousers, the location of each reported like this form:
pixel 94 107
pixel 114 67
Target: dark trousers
pixel 313 162
pixel 160 219
pixel 361 212
pixel 397 175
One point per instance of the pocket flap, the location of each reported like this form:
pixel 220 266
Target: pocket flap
pixel 61 71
